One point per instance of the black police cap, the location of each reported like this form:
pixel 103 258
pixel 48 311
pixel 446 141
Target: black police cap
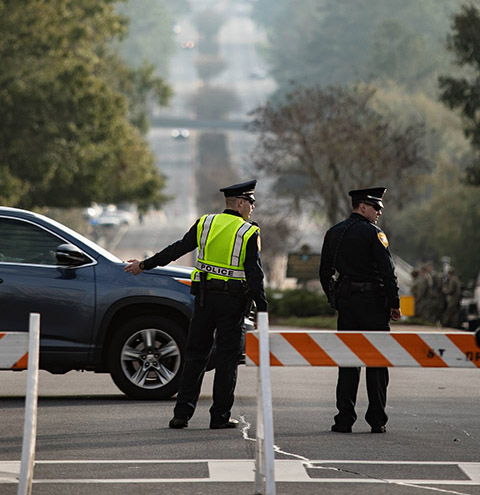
pixel 372 195
pixel 243 190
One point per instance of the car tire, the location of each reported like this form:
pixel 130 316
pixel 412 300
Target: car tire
pixel 145 357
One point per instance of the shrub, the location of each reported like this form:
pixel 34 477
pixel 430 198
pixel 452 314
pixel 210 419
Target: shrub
pixel 297 302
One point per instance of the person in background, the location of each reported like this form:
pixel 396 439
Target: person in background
pixel 452 289
pixel 424 290
pixel 436 301
pixel 415 289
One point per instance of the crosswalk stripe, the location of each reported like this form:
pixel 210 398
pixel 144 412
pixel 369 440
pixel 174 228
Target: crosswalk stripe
pixel 242 470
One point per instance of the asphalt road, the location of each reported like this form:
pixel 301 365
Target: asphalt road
pixel 92 440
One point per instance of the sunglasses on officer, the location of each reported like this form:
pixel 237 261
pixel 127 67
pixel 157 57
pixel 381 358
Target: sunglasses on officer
pixel 250 200
pixel 375 206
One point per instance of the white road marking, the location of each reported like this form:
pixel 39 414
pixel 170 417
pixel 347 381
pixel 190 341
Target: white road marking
pixel 242 470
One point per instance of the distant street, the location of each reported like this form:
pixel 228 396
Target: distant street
pixel 177 158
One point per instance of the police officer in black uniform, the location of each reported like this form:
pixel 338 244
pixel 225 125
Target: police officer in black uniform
pixel 365 293
pixel 228 275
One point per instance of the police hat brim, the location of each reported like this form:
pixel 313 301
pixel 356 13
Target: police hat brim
pixel 243 190
pixel 371 195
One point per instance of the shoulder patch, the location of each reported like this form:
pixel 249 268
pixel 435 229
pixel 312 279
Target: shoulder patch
pixel 383 239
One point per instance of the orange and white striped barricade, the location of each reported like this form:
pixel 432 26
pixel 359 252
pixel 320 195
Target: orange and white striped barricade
pixel 13 350
pixel 20 351
pixel 343 349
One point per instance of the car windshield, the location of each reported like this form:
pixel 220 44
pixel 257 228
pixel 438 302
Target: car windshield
pixel 92 245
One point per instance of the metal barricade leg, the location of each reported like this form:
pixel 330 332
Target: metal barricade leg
pixel 30 424
pixel 264 462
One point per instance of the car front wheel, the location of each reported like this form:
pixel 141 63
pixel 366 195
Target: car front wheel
pixel 145 357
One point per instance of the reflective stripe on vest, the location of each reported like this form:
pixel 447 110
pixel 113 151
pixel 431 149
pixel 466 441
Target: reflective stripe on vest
pixel 219 270
pixel 207 224
pixel 222 240
pixel 237 246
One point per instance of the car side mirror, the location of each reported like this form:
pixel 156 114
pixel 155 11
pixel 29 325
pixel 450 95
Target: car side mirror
pixel 70 255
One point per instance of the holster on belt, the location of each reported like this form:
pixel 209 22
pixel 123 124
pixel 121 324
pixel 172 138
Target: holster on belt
pixel 202 289
pixel 248 303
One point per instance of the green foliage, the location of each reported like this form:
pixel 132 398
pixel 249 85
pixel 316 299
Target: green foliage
pixel 297 302
pixel 140 87
pixel 400 54
pixel 464 92
pixel 447 225
pixel 65 135
pixel 320 322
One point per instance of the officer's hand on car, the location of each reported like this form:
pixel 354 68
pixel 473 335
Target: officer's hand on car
pixel 133 267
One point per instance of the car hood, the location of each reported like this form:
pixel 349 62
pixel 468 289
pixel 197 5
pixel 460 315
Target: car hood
pixel 172 271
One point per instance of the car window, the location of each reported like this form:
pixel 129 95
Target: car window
pixel 23 242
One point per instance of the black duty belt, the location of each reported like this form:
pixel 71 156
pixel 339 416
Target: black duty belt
pixel 365 286
pixel 225 285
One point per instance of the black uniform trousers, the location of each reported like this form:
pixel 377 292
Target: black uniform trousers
pixel 362 311
pixel 225 313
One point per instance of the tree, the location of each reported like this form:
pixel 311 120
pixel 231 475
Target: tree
pixel 401 55
pixel 446 225
pixel 65 134
pixel 320 143
pixel 338 38
pixel 464 92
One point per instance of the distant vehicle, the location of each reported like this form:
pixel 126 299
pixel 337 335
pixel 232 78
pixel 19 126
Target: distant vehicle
pixel 108 220
pixel 93 316
pixel 188 45
pixel 180 133
pixel 109 216
pixel 476 292
pixel 470 308
pixel 115 218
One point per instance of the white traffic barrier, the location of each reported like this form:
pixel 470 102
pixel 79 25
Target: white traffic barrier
pixel 345 348
pixel 31 401
pixel 264 455
pixel 19 351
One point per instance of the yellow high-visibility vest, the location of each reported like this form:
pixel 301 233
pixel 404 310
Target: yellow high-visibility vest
pixel 222 244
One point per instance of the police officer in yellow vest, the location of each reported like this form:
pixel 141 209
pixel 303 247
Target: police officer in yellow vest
pixel 228 274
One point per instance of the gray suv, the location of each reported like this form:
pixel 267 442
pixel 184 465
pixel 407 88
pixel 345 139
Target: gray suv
pixel 93 316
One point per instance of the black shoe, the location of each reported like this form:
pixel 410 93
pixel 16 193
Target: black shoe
pixel 178 423
pixel 342 429
pixel 231 423
pixel 379 429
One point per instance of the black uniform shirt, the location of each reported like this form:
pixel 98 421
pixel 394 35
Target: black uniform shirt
pixel 253 264
pixel 363 256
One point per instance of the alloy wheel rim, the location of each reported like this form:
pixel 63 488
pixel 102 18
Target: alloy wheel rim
pixel 150 358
